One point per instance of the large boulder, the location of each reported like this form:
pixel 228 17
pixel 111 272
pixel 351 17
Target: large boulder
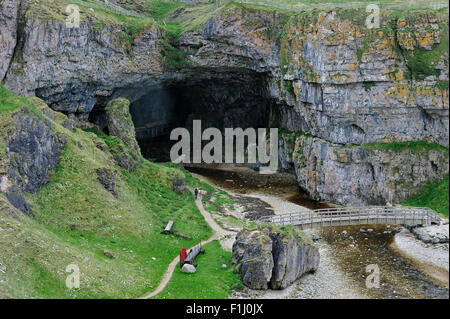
pixel 252 255
pixel 293 257
pixel 270 257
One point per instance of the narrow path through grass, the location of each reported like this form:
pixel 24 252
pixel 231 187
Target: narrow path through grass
pixel 206 274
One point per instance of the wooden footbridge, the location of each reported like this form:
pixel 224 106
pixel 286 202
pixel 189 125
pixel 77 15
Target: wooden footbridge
pixel 346 216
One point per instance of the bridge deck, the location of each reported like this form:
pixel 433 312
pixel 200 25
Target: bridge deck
pixel 357 216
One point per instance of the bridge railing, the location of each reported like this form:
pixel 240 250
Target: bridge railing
pixel 357 215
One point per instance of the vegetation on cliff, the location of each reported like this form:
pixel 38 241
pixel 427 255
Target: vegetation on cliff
pixel 434 195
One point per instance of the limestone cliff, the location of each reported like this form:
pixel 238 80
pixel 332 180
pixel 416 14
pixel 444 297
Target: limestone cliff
pixel 322 72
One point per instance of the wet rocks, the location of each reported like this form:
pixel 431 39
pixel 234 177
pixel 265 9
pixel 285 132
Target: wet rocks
pixel 273 258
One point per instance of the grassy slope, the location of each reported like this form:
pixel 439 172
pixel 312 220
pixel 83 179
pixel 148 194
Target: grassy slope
pixel 210 280
pixel 434 195
pixel 8 100
pixel 75 220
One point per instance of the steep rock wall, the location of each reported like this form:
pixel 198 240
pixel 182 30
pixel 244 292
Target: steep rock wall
pixel 330 76
pixel 374 174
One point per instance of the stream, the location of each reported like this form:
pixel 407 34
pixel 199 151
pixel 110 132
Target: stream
pixel 346 251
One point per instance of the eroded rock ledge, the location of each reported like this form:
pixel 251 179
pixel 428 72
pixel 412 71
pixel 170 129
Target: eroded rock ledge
pixel 268 257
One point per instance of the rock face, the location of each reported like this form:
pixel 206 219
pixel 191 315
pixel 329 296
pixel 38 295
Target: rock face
pixel 359 175
pixel 323 73
pixel 252 255
pixel 8 34
pixel 33 150
pixel 292 258
pixel 273 258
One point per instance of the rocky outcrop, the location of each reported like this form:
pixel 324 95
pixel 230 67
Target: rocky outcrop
pixel 252 256
pixel 107 177
pixel 271 258
pixel 33 150
pixel 434 234
pixel 73 69
pixel 120 124
pixel 374 174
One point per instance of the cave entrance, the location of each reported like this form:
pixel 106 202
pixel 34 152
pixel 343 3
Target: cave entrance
pixel 220 101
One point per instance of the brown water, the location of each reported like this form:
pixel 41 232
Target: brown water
pixel 244 180
pixel 353 249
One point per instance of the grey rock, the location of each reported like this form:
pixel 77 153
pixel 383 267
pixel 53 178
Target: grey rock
pixel 292 258
pixel 252 255
pixel 269 259
pixel 360 175
pixel 188 268
pixel 107 177
pixel 33 152
pixel 120 124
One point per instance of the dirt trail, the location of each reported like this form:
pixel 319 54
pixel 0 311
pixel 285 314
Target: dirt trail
pixel 218 233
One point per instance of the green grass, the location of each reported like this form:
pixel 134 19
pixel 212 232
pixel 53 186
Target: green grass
pixel 75 220
pixel 210 281
pixel 77 208
pixel 434 195
pixel 422 63
pixel 442 85
pixel 174 58
pixel 160 9
pixel 9 101
pixel 413 146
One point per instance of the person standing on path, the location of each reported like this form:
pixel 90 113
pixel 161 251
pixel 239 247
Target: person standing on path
pixel 196 193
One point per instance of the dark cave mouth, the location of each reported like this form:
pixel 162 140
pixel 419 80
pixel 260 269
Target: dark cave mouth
pixel 237 102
